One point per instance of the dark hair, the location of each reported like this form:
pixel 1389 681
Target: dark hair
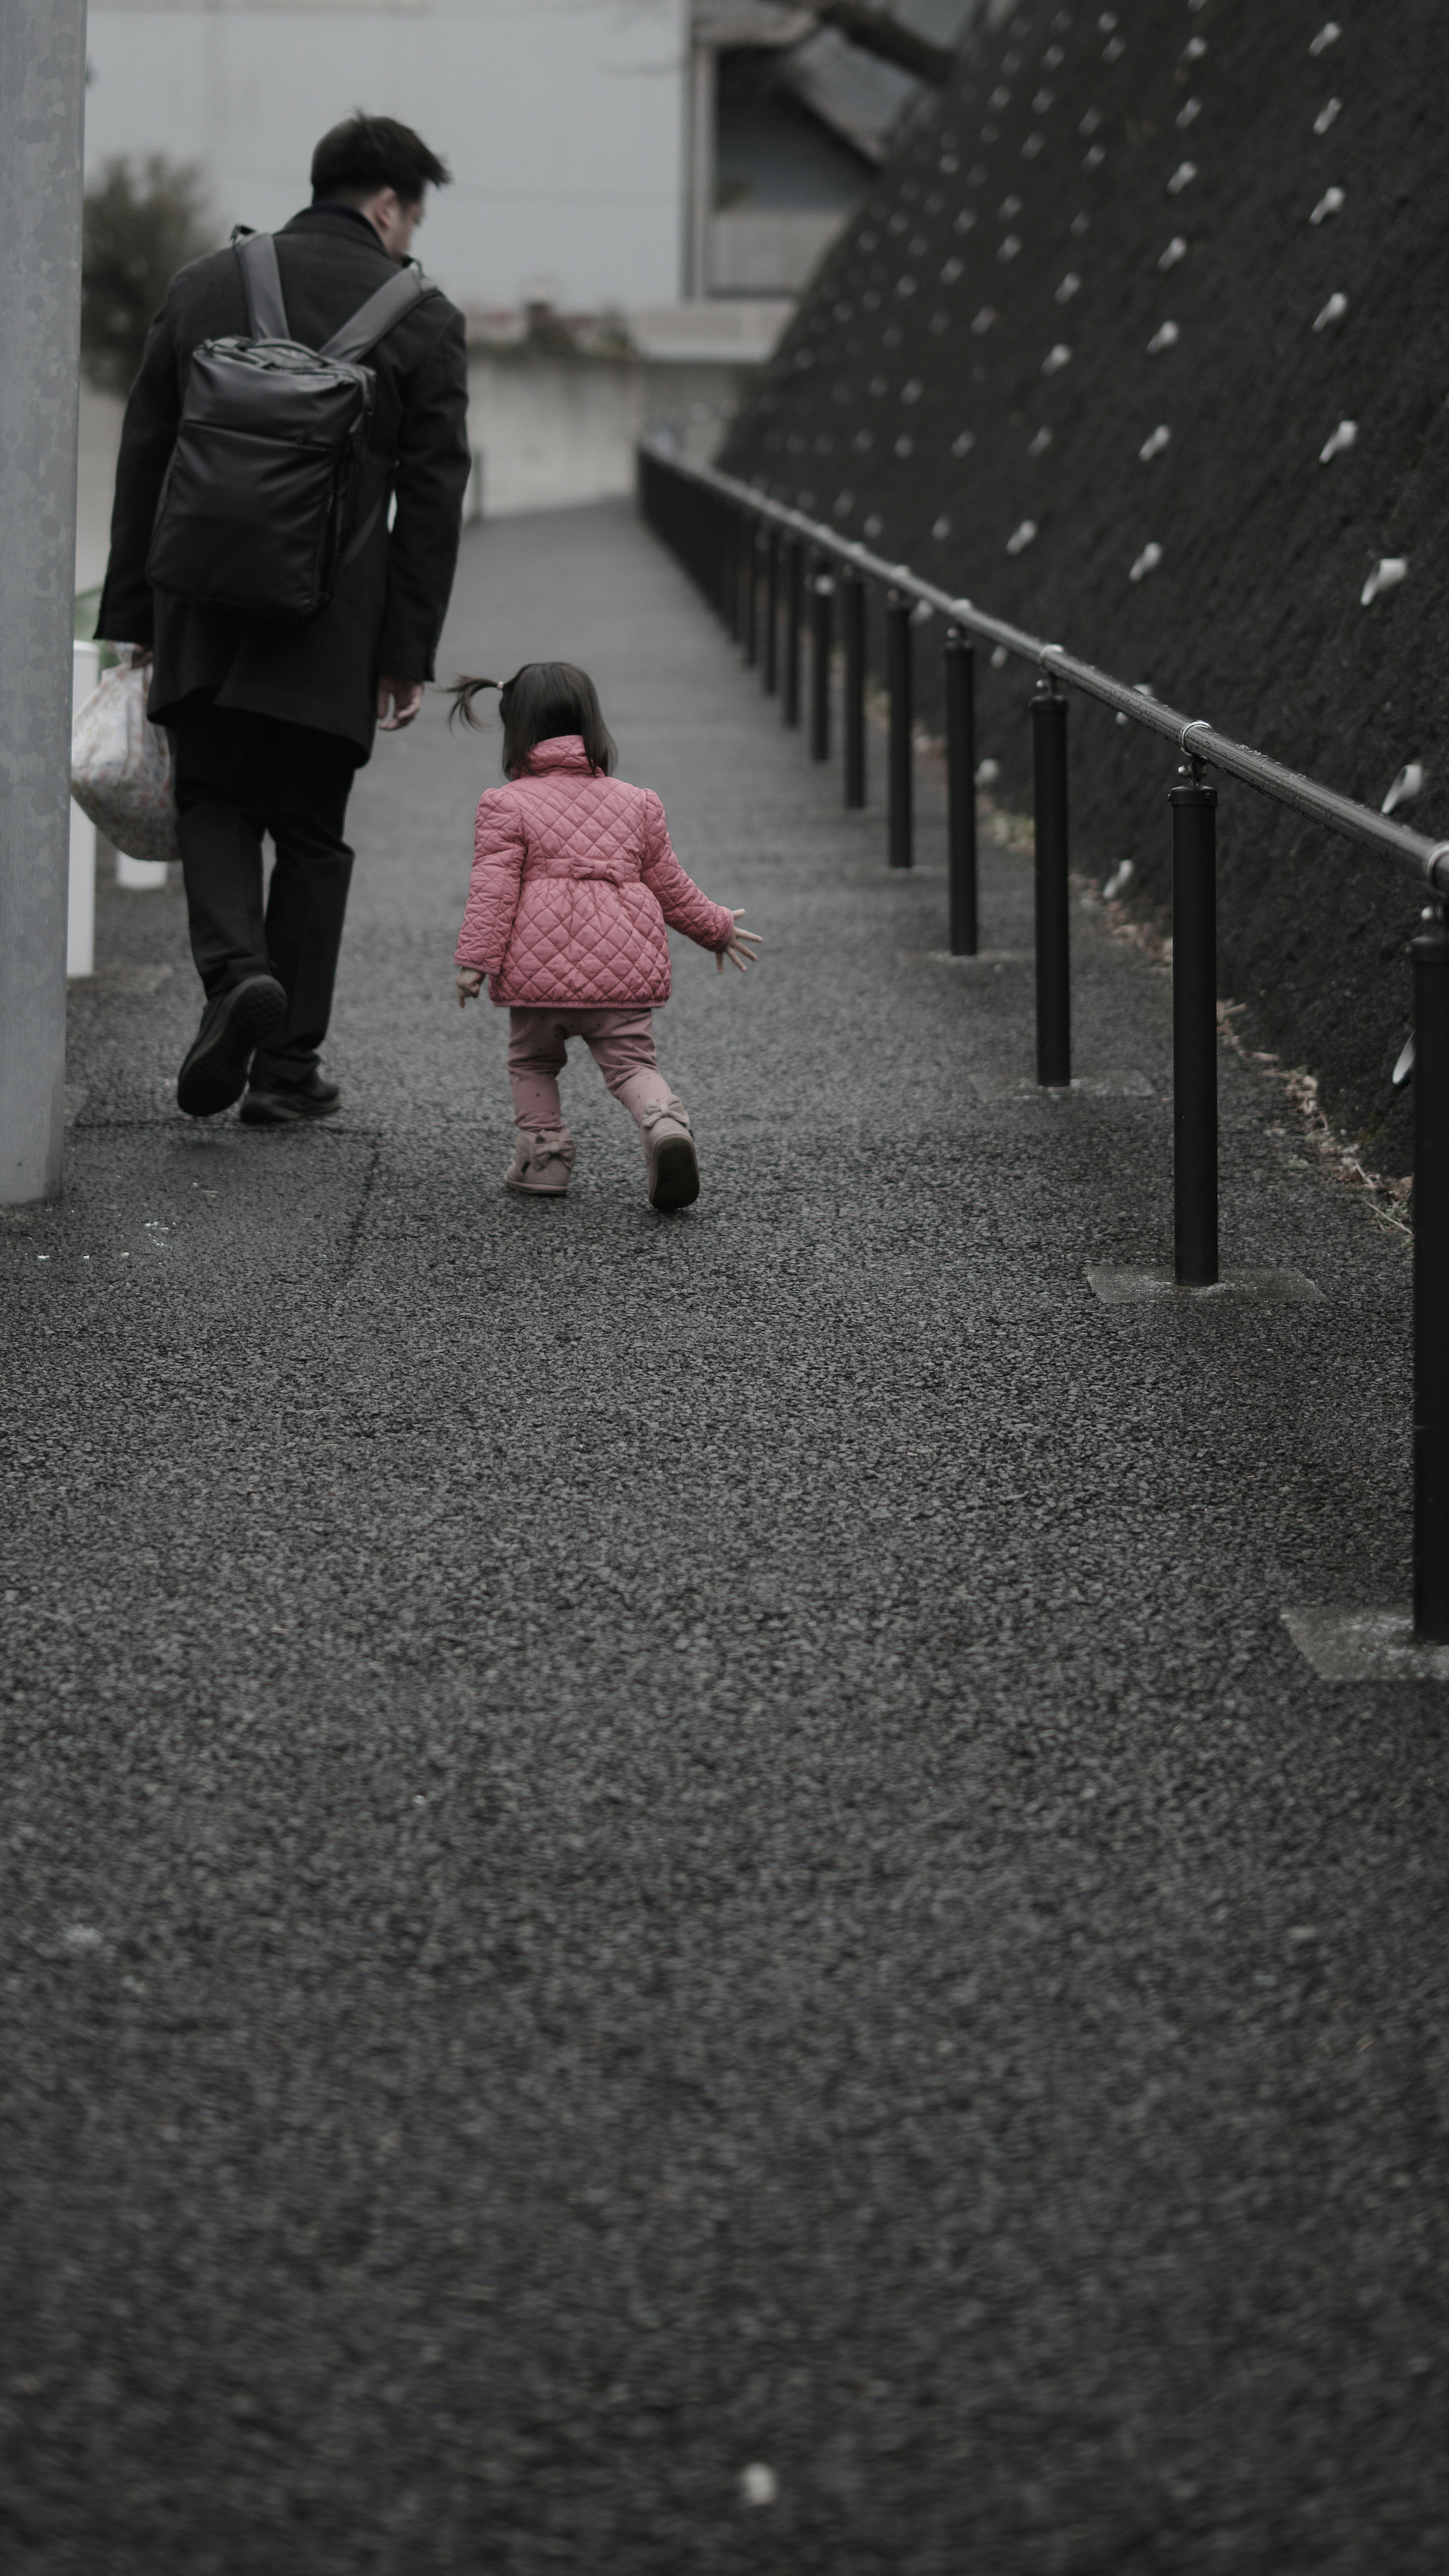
pixel 542 700
pixel 367 153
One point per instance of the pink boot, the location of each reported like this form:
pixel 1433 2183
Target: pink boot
pixel 542 1163
pixel 670 1155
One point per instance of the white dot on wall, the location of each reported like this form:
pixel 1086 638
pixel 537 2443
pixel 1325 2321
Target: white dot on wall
pixel 1387 574
pixel 1147 561
pixel 942 527
pixel 1408 785
pixel 1343 438
pixel 963 442
pixel 759 2484
pixel 1032 147
pixel 1040 443
pixel 1055 359
pixel 981 322
pixel 1194 50
pixel 1189 112
pixel 1022 537
pixel 1113 50
pixel 1333 311
pixel 1176 250
pixel 965 221
pixel 1327 35
pixel 1166 336
pixel 1079 225
pixel 1161 437
pixel 873 526
pixel 1331 202
pixel 1090 123
pixel 1010 206
pixel 1070 286
pixel 1182 177
pixel 1094 159
pixel 1010 247
pixel 1328 115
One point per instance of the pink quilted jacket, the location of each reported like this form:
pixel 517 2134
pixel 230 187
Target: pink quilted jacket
pixel 573 882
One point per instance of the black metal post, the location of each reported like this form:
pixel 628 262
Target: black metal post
pixel 1194 1029
pixel 853 622
pixel 898 679
pixel 1053 942
pixel 960 672
pixel 734 578
pixel 1431 1279
pixel 770 657
pixel 752 595
pixel 822 593
pixel 794 612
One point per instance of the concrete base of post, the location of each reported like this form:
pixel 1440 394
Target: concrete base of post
pixel 1082 1086
pixel 1365 1646
pixel 1159 1286
pixel 140 876
pixel 988 958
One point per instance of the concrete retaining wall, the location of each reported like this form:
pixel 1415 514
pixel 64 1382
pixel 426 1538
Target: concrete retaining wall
pixel 1228 225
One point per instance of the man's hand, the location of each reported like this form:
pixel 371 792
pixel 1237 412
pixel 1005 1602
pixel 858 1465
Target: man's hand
pixel 404 697
pixel 737 953
pixel 470 985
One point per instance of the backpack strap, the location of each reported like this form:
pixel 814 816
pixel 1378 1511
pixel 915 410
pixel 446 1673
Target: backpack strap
pixel 266 311
pixel 373 320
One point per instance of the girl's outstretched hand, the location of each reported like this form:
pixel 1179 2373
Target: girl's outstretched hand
pixel 737 951
pixel 470 985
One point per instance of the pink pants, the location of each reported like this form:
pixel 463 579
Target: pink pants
pixel 621 1043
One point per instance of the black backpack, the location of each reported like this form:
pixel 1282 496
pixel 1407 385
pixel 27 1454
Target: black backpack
pixel 258 509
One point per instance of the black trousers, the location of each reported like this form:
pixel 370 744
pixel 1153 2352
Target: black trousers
pixel 239 776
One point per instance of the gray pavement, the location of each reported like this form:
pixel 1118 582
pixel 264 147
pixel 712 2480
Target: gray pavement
pixel 641 1849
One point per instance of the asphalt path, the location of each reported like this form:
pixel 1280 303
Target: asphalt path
pixel 674 1904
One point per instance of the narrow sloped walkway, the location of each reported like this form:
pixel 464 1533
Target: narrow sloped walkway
pixel 639 1849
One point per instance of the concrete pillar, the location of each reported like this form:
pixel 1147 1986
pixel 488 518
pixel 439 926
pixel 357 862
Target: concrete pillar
pixel 42 91
pixel 703 109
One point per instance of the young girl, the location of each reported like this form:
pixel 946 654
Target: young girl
pixel 573 882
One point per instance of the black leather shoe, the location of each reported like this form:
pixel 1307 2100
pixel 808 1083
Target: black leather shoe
pixel 276 1104
pixel 214 1071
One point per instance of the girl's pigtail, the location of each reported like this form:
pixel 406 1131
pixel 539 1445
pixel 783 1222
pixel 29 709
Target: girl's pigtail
pixel 463 693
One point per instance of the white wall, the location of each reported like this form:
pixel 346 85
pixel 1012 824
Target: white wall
pixel 563 121
pixel 553 431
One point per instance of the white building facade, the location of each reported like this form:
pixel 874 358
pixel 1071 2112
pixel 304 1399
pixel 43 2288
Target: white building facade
pixel 633 162
pixel 564 123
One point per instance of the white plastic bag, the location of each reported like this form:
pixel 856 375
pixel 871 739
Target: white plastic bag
pixel 120 767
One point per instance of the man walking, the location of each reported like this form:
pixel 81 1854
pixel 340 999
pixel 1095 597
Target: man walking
pixel 271 720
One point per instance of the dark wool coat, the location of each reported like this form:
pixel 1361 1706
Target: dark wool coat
pixel 387 610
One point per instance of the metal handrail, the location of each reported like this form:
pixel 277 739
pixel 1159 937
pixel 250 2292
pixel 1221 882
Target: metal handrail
pixel 1196 738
